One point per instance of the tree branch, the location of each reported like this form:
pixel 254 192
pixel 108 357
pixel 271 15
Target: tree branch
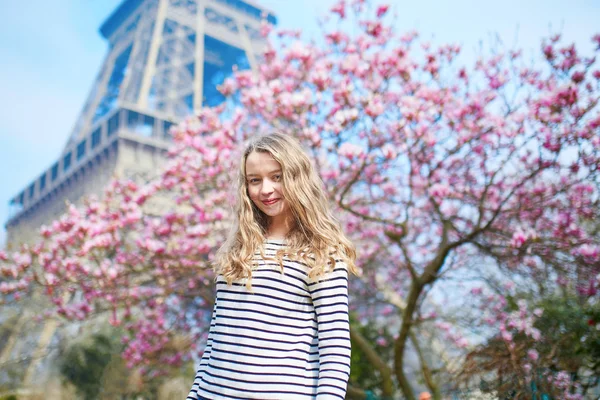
pixel 376 361
pixel 427 376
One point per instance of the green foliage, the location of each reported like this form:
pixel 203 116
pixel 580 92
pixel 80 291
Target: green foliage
pixel 570 342
pixel 568 327
pixel 362 374
pixel 84 363
pixel 9 397
pixel 591 344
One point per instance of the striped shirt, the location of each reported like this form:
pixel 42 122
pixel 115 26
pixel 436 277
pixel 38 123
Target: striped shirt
pixel 289 339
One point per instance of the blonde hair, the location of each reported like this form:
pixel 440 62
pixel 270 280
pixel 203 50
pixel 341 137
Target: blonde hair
pixel 316 238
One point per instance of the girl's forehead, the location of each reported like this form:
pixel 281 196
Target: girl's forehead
pixel 260 161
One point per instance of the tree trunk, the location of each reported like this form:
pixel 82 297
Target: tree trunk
pixel 400 345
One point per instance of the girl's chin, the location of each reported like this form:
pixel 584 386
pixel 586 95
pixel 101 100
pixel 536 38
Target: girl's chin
pixel 272 213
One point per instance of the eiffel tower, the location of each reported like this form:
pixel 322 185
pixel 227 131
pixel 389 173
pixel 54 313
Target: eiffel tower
pixel 165 60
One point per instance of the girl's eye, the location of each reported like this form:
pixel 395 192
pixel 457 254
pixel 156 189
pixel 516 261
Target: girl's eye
pixel 277 178
pixel 253 180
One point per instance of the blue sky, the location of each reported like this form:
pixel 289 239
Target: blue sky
pixel 51 51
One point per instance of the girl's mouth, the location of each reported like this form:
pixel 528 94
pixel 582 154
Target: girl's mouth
pixel 270 202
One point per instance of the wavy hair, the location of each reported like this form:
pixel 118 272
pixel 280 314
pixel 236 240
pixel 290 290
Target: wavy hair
pixel 316 238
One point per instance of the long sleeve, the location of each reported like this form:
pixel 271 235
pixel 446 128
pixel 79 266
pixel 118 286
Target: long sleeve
pixel 205 357
pixel 330 300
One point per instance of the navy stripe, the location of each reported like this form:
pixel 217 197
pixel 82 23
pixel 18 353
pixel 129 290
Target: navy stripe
pixel 228 334
pixel 343 303
pixel 269 365
pixel 271 356
pixel 341 278
pixel 268 331
pixel 269 348
pixel 268 296
pixel 266 313
pixel 285 266
pixel 262 374
pixel 247 319
pixel 278 282
pixel 246 390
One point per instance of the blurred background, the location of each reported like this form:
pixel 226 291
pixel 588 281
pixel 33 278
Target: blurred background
pixel 74 73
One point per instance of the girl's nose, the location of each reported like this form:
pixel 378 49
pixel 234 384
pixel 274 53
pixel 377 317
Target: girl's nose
pixel 267 187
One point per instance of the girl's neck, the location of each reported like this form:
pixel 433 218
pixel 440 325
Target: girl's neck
pixel 279 228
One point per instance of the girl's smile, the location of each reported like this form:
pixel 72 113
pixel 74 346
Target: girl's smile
pixel 270 202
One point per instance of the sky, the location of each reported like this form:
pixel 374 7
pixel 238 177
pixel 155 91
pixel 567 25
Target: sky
pixel 51 51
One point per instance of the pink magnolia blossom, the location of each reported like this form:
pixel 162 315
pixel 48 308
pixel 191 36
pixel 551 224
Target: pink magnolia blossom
pixel 382 10
pixel 533 355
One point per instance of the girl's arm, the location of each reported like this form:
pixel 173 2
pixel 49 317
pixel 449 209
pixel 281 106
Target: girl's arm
pixel 330 299
pixel 205 357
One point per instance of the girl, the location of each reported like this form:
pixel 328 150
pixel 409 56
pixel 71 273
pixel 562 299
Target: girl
pixel 279 328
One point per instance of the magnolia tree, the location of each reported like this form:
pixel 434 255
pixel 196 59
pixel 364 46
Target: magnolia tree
pixel 430 165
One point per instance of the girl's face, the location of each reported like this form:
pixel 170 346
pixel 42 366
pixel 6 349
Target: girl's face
pixel 263 177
